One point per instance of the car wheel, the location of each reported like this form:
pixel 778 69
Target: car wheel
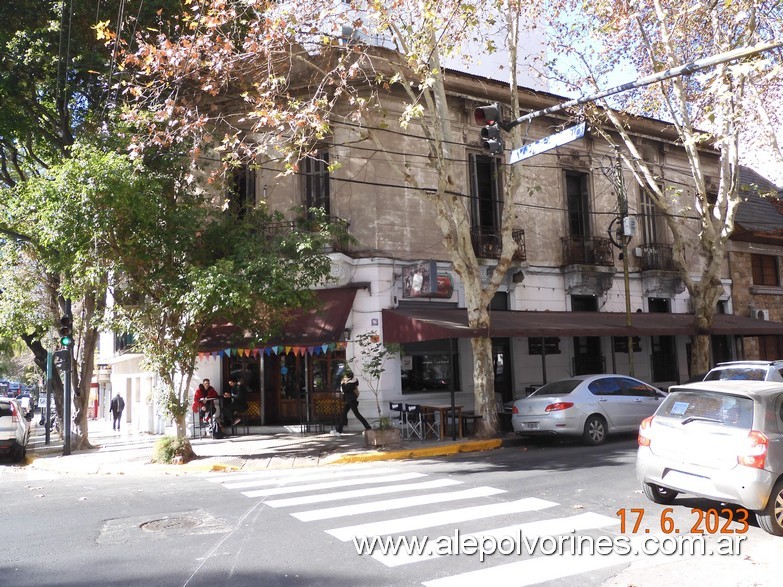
pixel 18 454
pixel 771 517
pixel 595 430
pixel 658 494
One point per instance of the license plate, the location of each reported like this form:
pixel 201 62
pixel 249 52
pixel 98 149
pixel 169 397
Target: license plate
pixel 530 425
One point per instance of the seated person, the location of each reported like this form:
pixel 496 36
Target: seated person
pixel 237 402
pixel 206 409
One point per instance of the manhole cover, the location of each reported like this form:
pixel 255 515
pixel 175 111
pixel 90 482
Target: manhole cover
pixel 183 523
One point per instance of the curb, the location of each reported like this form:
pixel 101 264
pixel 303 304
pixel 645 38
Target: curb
pixel 435 451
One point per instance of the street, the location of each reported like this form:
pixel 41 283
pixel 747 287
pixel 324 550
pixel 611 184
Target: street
pixel 297 526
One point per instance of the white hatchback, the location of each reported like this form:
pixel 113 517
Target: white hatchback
pixel 721 440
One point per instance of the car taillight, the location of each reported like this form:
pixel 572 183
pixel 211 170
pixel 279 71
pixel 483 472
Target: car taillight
pixel 754 453
pixel 644 437
pixel 14 414
pixel 557 406
pixel 514 410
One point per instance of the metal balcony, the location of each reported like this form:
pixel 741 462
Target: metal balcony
pixel 587 250
pixel 487 244
pixel 656 257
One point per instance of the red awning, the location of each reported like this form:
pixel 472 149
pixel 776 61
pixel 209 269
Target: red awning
pixel 432 323
pixel 320 325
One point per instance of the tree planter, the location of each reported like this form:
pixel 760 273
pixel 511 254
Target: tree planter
pixel 382 437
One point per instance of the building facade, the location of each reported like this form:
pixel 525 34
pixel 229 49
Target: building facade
pixel 571 303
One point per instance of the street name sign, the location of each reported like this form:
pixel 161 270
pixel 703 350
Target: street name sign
pixel 548 143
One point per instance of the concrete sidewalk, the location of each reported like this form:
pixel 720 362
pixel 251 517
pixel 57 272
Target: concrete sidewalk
pixel 267 447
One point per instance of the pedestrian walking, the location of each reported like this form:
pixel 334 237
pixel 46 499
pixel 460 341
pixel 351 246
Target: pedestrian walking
pixel 350 388
pixel 116 408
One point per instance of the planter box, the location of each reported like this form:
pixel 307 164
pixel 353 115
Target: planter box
pixel 385 437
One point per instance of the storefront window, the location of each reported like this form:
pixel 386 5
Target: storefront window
pixel 430 366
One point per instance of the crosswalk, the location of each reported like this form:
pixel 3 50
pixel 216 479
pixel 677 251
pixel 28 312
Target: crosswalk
pixel 395 504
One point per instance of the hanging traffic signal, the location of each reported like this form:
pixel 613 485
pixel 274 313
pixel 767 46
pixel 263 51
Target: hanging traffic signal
pixel 489 117
pixel 66 330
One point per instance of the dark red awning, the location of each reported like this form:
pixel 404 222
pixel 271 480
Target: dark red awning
pixel 322 324
pixel 432 323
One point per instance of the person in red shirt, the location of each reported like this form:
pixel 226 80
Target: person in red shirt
pixel 206 409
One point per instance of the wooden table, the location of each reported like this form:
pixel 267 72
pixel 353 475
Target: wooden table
pixel 445 410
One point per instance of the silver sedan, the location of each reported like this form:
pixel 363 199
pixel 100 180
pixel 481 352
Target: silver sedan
pixel 590 406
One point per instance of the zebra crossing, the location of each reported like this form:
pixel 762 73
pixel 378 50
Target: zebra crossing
pixel 417 504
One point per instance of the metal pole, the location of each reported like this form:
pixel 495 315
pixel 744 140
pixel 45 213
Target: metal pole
pixel 67 394
pixel 451 392
pixel 626 239
pixel 48 416
pixel 686 69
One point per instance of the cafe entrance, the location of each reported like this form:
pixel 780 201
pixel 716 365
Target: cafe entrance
pixel 294 383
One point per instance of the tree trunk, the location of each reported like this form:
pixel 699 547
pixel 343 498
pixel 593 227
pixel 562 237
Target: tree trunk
pixel 181 424
pixel 484 387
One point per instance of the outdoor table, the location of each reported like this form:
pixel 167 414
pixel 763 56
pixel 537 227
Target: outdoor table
pixel 443 411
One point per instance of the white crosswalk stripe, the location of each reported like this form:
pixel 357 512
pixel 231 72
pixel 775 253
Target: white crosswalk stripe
pixel 357 493
pixel 235 481
pixel 430 520
pixel 299 488
pixel 394 504
pixel 531 571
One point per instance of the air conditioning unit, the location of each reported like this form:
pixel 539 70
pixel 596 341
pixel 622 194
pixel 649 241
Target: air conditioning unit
pixel 759 314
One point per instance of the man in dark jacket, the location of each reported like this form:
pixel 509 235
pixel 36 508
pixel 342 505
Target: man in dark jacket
pixel 116 407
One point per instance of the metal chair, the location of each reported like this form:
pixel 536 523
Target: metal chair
pixel 414 422
pixel 431 423
pixel 398 421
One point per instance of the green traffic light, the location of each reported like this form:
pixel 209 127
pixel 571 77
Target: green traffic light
pixel 66 341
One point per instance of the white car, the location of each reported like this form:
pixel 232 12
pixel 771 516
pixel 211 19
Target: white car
pixel 720 440
pixel 14 429
pixel 746 371
pixel 590 406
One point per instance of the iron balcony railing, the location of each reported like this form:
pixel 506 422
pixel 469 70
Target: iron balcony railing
pixel 587 250
pixel 487 244
pixel 656 256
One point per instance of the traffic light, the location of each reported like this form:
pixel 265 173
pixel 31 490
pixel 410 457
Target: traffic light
pixel 66 330
pixel 489 117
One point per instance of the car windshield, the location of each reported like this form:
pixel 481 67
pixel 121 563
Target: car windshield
pixel 557 388
pixel 692 406
pixel 737 373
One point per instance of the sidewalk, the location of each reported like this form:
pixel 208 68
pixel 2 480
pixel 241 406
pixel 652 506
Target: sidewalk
pixel 266 447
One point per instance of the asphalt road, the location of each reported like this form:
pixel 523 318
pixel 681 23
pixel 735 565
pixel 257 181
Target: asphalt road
pixel 296 527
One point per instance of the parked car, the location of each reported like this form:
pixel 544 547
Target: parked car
pixel 719 440
pixel 747 371
pixel 14 429
pixel 590 406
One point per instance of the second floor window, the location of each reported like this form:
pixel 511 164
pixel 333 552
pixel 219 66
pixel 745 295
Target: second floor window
pixel 485 193
pixel 765 270
pixel 315 181
pixel 577 199
pixel 242 191
pixel 653 228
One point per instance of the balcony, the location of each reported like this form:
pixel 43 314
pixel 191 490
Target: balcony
pixel 660 276
pixel 588 265
pixel 487 244
pixel 656 257
pixel 587 250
